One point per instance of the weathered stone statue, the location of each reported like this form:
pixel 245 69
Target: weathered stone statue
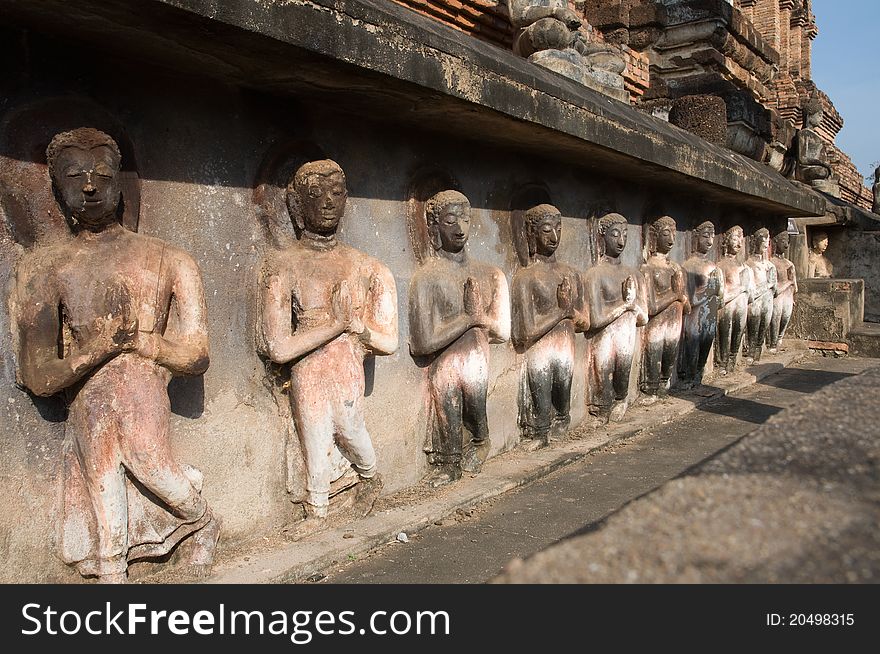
pixel 818 264
pixel 108 317
pixel 786 289
pixel 733 312
pixel 456 308
pixel 616 305
pixel 876 190
pixel 325 306
pixel 761 297
pixel 548 35
pixel 811 153
pixel 705 284
pixel 666 303
pixel 547 309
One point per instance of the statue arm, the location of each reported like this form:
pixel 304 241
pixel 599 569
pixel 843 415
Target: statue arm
pixel 640 306
pixel 792 275
pixel 654 302
pixel 582 311
pixel 282 344
pixel 601 313
pixel 428 332
pixel 527 326
pixel 381 334
pixel 183 347
pixel 499 309
pixel 37 323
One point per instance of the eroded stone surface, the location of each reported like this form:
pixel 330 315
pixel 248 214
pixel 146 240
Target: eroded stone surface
pixel 107 317
pixel 548 308
pixel 324 307
pixel 457 307
pixel 616 301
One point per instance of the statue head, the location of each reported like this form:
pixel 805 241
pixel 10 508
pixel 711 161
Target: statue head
pixel 760 241
pixel 732 240
pixel 543 229
pixel 321 194
pixel 813 112
pixel 84 168
pixel 449 220
pixel 781 242
pixel 613 232
pixel 704 237
pixel 662 235
pixel 877 175
pixel 820 242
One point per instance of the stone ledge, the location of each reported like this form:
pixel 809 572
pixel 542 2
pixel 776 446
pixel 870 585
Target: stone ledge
pixel 393 64
pixel 282 561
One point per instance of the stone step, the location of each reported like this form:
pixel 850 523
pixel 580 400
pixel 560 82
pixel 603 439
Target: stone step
pixel 864 339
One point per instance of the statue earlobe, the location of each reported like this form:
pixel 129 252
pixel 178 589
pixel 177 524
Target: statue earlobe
pixel 294 210
pixel 434 235
pixel 531 241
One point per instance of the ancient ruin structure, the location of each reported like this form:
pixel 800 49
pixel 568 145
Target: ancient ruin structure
pixel 548 35
pixel 811 157
pixel 324 306
pixel 548 308
pixel 107 317
pixel 784 294
pixel 761 297
pixel 705 285
pixel 734 306
pixel 875 189
pixel 818 265
pixel 456 308
pixel 666 302
pixel 412 98
pixel 616 302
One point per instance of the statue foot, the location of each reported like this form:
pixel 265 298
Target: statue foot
pixel 310 525
pixel 442 474
pixel 618 410
pixel 559 428
pixel 201 571
pixel 367 493
pixel 205 543
pixel 113 578
pixel 532 444
pixel 473 457
pixel 647 400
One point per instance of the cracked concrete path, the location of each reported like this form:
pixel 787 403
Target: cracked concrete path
pixel 473 545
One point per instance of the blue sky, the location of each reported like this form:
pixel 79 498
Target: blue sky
pixel 845 67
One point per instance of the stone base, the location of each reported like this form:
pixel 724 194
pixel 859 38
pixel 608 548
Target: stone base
pixel 827 309
pixel 572 65
pixel 828 186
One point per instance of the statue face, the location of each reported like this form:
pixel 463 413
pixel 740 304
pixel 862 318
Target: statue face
pixel 782 243
pixel 815 119
pixel 704 241
pixel 323 203
pixel 454 226
pixel 821 245
pixel 615 239
pixel 664 239
pixel 761 243
pixel 88 183
pixel 547 234
pixel 734 242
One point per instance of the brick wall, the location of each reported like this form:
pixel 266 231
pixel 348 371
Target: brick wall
pixel 485 19
pixel 637 76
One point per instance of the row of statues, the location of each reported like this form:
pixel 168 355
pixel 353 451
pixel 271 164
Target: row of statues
pixel 110 309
